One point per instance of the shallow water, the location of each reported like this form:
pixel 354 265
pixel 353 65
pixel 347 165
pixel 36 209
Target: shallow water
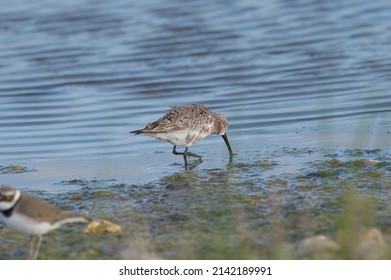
pixel 294 78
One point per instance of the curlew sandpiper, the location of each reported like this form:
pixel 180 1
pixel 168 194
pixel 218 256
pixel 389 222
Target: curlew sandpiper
pixel 185 125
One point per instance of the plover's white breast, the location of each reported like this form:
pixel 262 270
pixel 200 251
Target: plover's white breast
pixel 25 225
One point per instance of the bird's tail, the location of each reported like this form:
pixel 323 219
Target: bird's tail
pixel 76 218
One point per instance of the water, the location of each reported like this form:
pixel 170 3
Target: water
pixel 75 77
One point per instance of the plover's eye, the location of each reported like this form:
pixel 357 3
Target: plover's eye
pixel 6 197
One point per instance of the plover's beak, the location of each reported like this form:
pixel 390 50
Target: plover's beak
pixel 231 154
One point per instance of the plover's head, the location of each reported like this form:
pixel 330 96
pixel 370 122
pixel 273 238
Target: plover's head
pixel 220 124
pixel 8 197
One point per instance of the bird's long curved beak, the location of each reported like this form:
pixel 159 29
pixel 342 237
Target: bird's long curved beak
pixel 231 154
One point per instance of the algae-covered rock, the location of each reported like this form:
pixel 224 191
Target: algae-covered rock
pixel 373 173
pixel 355 152
pixel 266 163
pixel 78 182
pixel 359 163
pixel 323 173
pixel 334 162
pixel 316 246
pixel 10 169
pixel 306 186
pixel 180 179
pixel 370 244
pixel 103 194
pixel 276 182
pixel 102 226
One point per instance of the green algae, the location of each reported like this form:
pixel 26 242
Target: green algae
pixel 360 163
pixel 373 174
pixel 76 196
pixel 78 182
pixel 325 173
pixel 15 168
pixel 276 182
pixel 266 163
pixel 306 186
pixel 355 152
pixel 333 163
pixel 103 194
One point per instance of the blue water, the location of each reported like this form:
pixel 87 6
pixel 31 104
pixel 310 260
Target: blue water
pixel 75 77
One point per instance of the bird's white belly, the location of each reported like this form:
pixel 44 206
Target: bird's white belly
pixel 25 225
pixel 175 138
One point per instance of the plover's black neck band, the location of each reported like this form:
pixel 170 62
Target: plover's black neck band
pixel 7 213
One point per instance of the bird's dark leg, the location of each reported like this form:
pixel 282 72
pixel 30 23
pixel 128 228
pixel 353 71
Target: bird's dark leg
pixel 179 153
pixel 185 154
pixel 190 154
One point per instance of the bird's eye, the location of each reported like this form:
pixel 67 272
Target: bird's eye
pixel 6 197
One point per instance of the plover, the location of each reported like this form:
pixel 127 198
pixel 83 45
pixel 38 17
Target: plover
pixel 29 214
pixel 185 125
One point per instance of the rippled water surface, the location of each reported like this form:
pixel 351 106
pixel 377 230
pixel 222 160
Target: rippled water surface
pixel 76 76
